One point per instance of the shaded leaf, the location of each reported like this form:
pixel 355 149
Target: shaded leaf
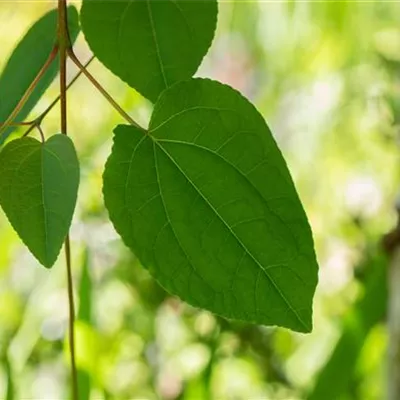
pixel 26 61
pixel 206 201
pixel 150 44
pixel 38 190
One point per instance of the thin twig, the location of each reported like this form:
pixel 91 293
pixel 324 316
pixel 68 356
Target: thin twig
pixel 40 118
pixel 32 127
pixel 24 123
pixel 64 44
pixel 100 88
pixel 70 285
pixel 30 89
pixel 39 128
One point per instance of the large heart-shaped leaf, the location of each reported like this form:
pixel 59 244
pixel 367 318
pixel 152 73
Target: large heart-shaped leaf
pixel 38 190
pixel 26 61
pixel 150 44
pixel 205 199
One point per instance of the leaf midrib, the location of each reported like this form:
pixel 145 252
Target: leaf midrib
pixel 242 174
pixel 276 287
pixel 153 30
pixel 168 217
pixel 46 245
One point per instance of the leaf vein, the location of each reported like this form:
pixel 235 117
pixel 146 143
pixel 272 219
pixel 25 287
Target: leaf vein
pixel 275 286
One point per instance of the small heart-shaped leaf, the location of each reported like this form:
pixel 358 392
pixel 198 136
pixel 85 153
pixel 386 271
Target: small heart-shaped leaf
pixel 38 190
pixel 206 201
pixel 150 44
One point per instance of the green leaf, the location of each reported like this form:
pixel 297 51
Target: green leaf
pixel 26 61
pixel 38 191
pixel 207 203
pixel 150 44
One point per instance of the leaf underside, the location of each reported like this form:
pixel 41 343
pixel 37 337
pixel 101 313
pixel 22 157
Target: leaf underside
pixel 150 44
pixel 205 199
pixel 25 63
pixel 38 191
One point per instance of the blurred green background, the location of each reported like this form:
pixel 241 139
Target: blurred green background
pixel 326 76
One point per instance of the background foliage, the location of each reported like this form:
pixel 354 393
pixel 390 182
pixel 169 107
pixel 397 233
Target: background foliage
pixel 325 77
